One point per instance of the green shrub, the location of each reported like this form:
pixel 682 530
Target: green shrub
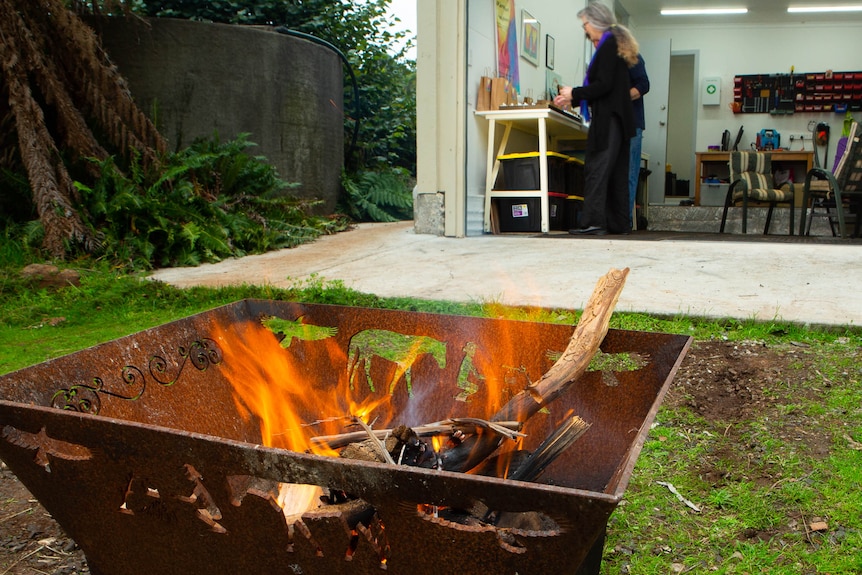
pixel 206 203
pixel 380 196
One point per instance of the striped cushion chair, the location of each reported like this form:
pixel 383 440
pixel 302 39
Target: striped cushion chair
pixel 752 181
pixel 838 190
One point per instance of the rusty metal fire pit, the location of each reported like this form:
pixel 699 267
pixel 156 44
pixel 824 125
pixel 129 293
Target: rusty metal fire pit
pixel 145 453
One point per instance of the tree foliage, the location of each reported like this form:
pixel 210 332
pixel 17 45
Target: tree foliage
pixel 379 196
pixel 68 121
pixel 360 30
pixel 62 101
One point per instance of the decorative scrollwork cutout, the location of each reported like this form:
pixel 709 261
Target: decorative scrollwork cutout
pixel 80 398
pixel 86 398
pixel 200 353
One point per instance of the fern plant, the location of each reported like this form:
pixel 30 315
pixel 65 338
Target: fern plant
pixel 207 202
pixel 381 196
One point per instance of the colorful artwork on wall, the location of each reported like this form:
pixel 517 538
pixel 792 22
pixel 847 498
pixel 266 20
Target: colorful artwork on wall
pixel 507 42
pixel 530 38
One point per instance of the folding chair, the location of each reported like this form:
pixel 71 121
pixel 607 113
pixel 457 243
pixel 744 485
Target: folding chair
pixel 840 189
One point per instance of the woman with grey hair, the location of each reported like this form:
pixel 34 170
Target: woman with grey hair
pixel 606 103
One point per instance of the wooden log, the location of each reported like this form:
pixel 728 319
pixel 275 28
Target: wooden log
pixel 583 345
pixel 510 429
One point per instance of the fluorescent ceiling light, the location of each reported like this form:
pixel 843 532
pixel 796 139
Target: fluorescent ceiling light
pixel 809 9
pixel 704 11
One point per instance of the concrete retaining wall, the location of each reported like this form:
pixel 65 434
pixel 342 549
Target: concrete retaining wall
pixel 197 78
pixel 707 219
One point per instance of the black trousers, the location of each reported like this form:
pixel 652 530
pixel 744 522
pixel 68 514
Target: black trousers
pixel 606 184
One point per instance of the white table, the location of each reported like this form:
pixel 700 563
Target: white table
pixel 549 125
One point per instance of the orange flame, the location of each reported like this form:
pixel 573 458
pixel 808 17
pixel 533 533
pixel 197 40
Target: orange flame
pixel 437 442
pixel 269 384
pixel 273 386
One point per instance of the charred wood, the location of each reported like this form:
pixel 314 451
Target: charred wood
pixel 466 425
pixel 551 448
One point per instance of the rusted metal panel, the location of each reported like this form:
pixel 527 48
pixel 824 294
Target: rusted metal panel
pixel 161 469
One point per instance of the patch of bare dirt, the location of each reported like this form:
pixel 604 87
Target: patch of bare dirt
pixel 733 384
pixel 727 383
pixel 31 542
pixel 735 380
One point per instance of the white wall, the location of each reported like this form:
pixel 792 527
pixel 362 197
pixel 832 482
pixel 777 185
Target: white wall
pixel 557 18
pixel 441 113
pixel 723 51
pixel 727 51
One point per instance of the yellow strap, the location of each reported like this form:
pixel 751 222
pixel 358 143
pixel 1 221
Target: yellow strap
pixel 535 155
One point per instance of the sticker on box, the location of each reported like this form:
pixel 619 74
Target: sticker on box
pixel 520 211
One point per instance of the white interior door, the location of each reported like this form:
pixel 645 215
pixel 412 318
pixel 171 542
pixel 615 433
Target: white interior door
pixel 656 54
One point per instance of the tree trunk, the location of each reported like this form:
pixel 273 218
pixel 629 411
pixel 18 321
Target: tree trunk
pixel 61 89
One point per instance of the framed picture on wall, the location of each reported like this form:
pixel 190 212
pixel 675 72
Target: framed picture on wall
pixel 530 34
pixel 549 52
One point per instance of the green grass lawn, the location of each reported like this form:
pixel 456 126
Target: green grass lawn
pixel 757 485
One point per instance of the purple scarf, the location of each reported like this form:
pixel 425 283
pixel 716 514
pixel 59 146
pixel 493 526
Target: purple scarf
pixel 585 107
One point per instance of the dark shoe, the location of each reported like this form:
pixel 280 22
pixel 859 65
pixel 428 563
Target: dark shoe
pixel 589 231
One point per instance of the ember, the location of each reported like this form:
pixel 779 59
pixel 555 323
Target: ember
pixel 211 444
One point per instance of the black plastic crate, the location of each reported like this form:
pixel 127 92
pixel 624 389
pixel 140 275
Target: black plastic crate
pixel 519 214
pixel 575 177
pixel 572 212
pixel 557 219
pixel 521 172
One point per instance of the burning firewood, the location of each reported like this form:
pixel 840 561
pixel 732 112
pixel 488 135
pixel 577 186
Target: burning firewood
pixel 401 446
pixel 467 452
pixel 584 343
pixel 466 425
pixel 471 442
pixel 566 434
pixel 374 442
pixel 524 465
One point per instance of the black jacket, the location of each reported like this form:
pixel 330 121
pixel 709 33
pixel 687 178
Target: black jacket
pixel 607 92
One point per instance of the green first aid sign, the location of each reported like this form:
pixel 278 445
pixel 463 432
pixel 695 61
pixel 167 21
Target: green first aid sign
pixel 711 92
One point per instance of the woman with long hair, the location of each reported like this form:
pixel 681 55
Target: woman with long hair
pixel 605 103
